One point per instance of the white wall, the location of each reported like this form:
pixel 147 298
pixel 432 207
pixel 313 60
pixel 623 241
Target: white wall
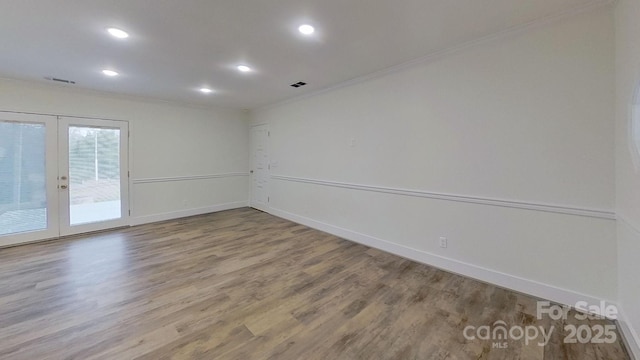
pixel 505 147
pixel 168 141
pixel 628 173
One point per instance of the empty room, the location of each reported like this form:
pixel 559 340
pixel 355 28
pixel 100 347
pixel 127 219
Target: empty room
pixel 317 179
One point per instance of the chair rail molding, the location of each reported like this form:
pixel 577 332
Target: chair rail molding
pixel 188 178
pixel 517 204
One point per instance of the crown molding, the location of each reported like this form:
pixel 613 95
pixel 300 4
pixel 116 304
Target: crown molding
pixel 77 89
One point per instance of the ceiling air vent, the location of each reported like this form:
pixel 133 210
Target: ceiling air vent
pixel 64 81
pixel 298 84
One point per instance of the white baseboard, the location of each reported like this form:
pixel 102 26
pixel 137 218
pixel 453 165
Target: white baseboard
pixel 526 286
pixel 147 219
pixel 629 334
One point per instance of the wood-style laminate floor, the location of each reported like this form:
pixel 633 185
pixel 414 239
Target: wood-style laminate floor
pixel 243 284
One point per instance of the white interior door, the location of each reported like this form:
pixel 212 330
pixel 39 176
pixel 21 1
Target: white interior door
pixel 260 167
pixel 61 176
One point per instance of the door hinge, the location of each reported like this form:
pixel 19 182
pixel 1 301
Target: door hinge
pixel 268 133
pixel 268 199
pixel 128 173
pixel 129 212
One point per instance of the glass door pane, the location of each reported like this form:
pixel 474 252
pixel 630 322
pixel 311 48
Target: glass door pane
pixel 23 191
pixel 94 175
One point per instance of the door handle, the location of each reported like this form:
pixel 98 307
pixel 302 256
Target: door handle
pixel 63 187
pixel 251 171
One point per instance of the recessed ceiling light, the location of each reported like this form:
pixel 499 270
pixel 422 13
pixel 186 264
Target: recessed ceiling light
pixel 120 34
pixel 306 29
pixel 244 68
pixel 206 90
pixel 110 72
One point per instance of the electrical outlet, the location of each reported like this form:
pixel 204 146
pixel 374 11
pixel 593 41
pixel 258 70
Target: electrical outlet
pixel 443 242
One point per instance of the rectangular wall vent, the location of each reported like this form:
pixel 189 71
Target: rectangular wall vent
pixel 60 80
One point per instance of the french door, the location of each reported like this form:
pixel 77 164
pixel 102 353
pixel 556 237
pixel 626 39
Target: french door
pixel 61 176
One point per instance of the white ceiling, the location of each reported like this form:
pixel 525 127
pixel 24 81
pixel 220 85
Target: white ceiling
pixel 178 46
